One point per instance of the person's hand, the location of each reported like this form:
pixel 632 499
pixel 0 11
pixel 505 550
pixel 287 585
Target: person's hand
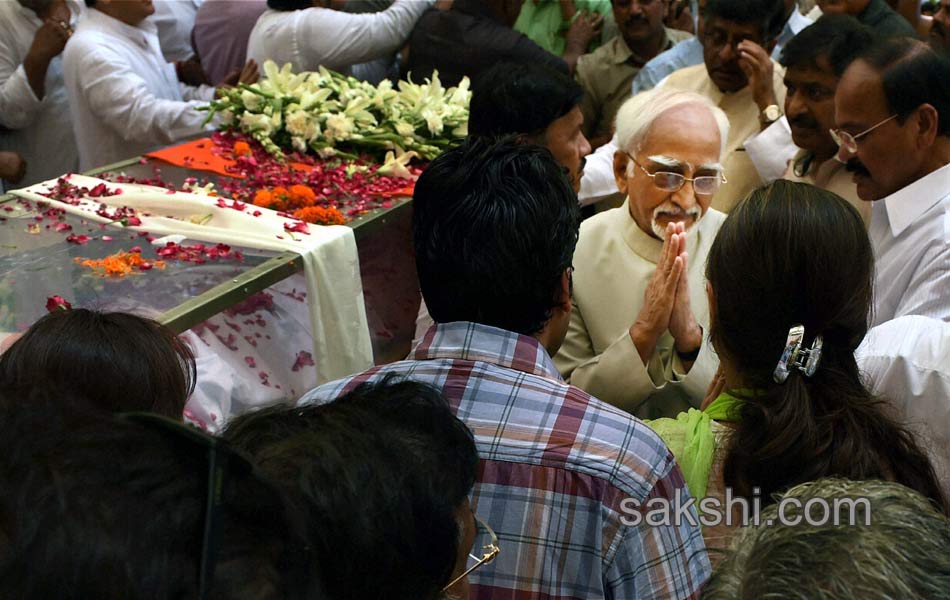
pixel 568 9
pixel 716 387
pixel 660 295
pixel 247 74
pixel 756 63
pixel 679 16
pixel 12 167
pixel 50 40
pixel 686 332
pixel 586 27
pixel 190 72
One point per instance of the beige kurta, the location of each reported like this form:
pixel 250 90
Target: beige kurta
pixel 743 115
pixel 613 264
pixel 831 175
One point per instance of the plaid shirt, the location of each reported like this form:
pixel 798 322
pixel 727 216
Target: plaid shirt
pixel 556 469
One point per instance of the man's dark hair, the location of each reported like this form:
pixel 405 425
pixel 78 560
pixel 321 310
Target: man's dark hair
pixel 288 5
pixel 768 15
pixel 114 362
pixel 520 98
pixel 400 466
pixel 90 3
pixel 792 253
pixel 837 38
pixel 116 507
pixel 495 224
pixel 912 73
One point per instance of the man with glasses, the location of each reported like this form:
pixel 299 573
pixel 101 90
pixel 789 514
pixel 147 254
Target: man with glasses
pixel 495 225
pixel 738 76
pixel 636 337
pixel 892 109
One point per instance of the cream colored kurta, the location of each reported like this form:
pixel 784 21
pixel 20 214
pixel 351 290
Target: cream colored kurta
pixel 743 114
pixel 613 264
pixel 831 175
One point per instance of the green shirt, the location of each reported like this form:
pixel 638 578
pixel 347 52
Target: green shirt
pixel 541 21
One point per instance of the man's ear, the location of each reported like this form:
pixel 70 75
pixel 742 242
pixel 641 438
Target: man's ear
pixel 928 121
pixel 567 286
pixel 621 160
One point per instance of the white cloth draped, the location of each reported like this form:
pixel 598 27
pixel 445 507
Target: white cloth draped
pixel 341 341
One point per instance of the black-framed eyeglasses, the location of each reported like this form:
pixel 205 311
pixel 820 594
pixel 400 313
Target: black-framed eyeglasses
pixel 488 553
pixel 850 142
pixel 704 185
pixel 218 457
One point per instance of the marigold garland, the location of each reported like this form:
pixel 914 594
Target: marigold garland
pixel 119 264
pixel 320 215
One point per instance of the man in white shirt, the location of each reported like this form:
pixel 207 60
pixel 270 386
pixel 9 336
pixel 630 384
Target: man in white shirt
pixel 34 106
pixel 892 109
pixel 907 362
pixel 308 36
pixel 125 99
pixel 636 337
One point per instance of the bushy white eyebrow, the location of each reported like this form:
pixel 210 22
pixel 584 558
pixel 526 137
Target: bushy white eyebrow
pixel 674 163
pixel 668 161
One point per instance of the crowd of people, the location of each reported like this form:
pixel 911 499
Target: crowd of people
pixel 684 332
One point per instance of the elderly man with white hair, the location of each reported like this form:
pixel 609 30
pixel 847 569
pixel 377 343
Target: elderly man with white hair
pixel 636 336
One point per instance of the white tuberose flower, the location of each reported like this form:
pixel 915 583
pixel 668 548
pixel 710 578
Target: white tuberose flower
pixel 251 100
pixel 252 123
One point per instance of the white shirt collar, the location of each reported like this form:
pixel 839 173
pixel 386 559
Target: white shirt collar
pixel 797 21
pixel 137 35
pixel 907 205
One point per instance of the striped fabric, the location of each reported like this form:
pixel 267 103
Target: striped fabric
pixel 562 475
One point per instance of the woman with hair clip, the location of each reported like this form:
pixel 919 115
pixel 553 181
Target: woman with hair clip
pixel 789 285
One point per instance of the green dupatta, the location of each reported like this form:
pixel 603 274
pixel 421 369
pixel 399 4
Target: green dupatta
pixel 690 438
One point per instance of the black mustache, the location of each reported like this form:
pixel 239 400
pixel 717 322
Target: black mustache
pixel 803 122
pixel 856 166
pixel 936 27
pixel 634 21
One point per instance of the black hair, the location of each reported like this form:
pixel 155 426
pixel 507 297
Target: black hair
pixel 288 5
pixel 495 224
pixel 521 98
pixel 837 38
pixel 114 508
pixel 912 73
pixel 90 3
pixel 793 254
pixel 114 362
pixel 769 15
pixel 401 465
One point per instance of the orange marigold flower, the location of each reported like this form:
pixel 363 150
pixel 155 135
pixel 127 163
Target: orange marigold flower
pixel 119 264
pixel 302 196
pixel 320 215
pixel 242 149
pixel 269 199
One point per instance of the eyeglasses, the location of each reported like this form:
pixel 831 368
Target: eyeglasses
pixel 704 185
pixel 489 552
pixel 850 142
pixel 218 459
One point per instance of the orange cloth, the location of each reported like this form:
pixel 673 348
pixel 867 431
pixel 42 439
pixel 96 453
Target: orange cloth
pixel 199 155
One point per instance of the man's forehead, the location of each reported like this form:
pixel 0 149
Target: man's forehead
pixel 751 29
pixel 816 69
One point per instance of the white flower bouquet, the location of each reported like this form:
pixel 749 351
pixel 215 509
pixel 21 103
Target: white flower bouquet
pixel 333 115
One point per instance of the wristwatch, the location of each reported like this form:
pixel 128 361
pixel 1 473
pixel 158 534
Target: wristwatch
pixel 771 114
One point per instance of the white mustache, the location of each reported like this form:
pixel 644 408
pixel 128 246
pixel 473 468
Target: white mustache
pixel 668 208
